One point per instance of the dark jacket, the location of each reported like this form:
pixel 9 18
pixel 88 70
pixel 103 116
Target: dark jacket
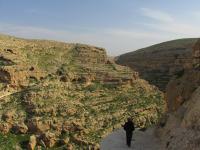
pixel 129 126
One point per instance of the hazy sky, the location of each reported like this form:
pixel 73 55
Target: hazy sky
pixel 117 25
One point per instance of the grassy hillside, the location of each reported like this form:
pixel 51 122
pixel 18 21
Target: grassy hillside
pixel 67 95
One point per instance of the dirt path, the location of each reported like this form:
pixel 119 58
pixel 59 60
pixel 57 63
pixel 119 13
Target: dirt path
pixel 5 94
pixel 141 141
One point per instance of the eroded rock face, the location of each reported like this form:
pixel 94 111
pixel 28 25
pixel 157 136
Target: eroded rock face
pixel 182 127
pixel 86 54
pixel 18 76
pixel 158 64
pixel 181 87
pixel 196 55
pixel 191 119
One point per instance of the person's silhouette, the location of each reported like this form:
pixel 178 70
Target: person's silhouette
pixel 129 128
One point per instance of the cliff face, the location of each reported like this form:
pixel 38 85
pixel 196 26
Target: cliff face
pixel 180 130
pixel 196 55
pixel 182 86
pixel 157 64
pixel 88 54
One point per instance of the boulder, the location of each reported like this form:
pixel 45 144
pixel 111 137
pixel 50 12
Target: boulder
pixel 64 79
pixel 37 126
pixel 5 127
pixel 69 147
pixel 8 116
pixel 79 141
pixel 20 128
pixel 5 76
pixel 65 140
pixel 32 142
pixel 72 126
pixel 49 139
pixel 66 126
pixel 96 147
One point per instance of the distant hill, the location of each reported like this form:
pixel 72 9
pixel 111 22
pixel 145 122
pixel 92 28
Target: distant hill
pixel 158 63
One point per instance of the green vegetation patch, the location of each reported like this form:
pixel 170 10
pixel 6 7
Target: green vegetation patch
pixel 12 141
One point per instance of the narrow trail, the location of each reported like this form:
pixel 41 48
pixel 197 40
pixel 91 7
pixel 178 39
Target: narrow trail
pixel 12 93
pixel 15 92
pixel 6 94
pixel 141 141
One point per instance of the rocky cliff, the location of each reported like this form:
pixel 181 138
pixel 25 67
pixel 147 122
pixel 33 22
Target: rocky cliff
pixel 158 63
pixel 180 128
pixel 59 95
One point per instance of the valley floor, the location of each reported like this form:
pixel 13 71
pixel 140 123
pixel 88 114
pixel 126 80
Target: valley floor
pixel 141 141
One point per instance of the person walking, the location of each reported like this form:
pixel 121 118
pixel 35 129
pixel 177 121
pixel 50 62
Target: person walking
pixel 129 128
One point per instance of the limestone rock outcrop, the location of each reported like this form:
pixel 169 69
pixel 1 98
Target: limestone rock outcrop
pixel 181 130
pixel 8 116
pixel 179 90
pixel 88 54
pixel 181 87
pixel 181 127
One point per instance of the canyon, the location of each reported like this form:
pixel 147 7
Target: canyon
pixel 56 95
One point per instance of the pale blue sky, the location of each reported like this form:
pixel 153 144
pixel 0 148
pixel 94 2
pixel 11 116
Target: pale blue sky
pixel 117 25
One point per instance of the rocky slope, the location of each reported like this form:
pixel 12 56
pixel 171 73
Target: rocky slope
pixel 58 95
pixel 180 128
pixel 158 63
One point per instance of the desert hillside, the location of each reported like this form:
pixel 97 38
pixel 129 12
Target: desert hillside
pixel 58 95
pixel 158 63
